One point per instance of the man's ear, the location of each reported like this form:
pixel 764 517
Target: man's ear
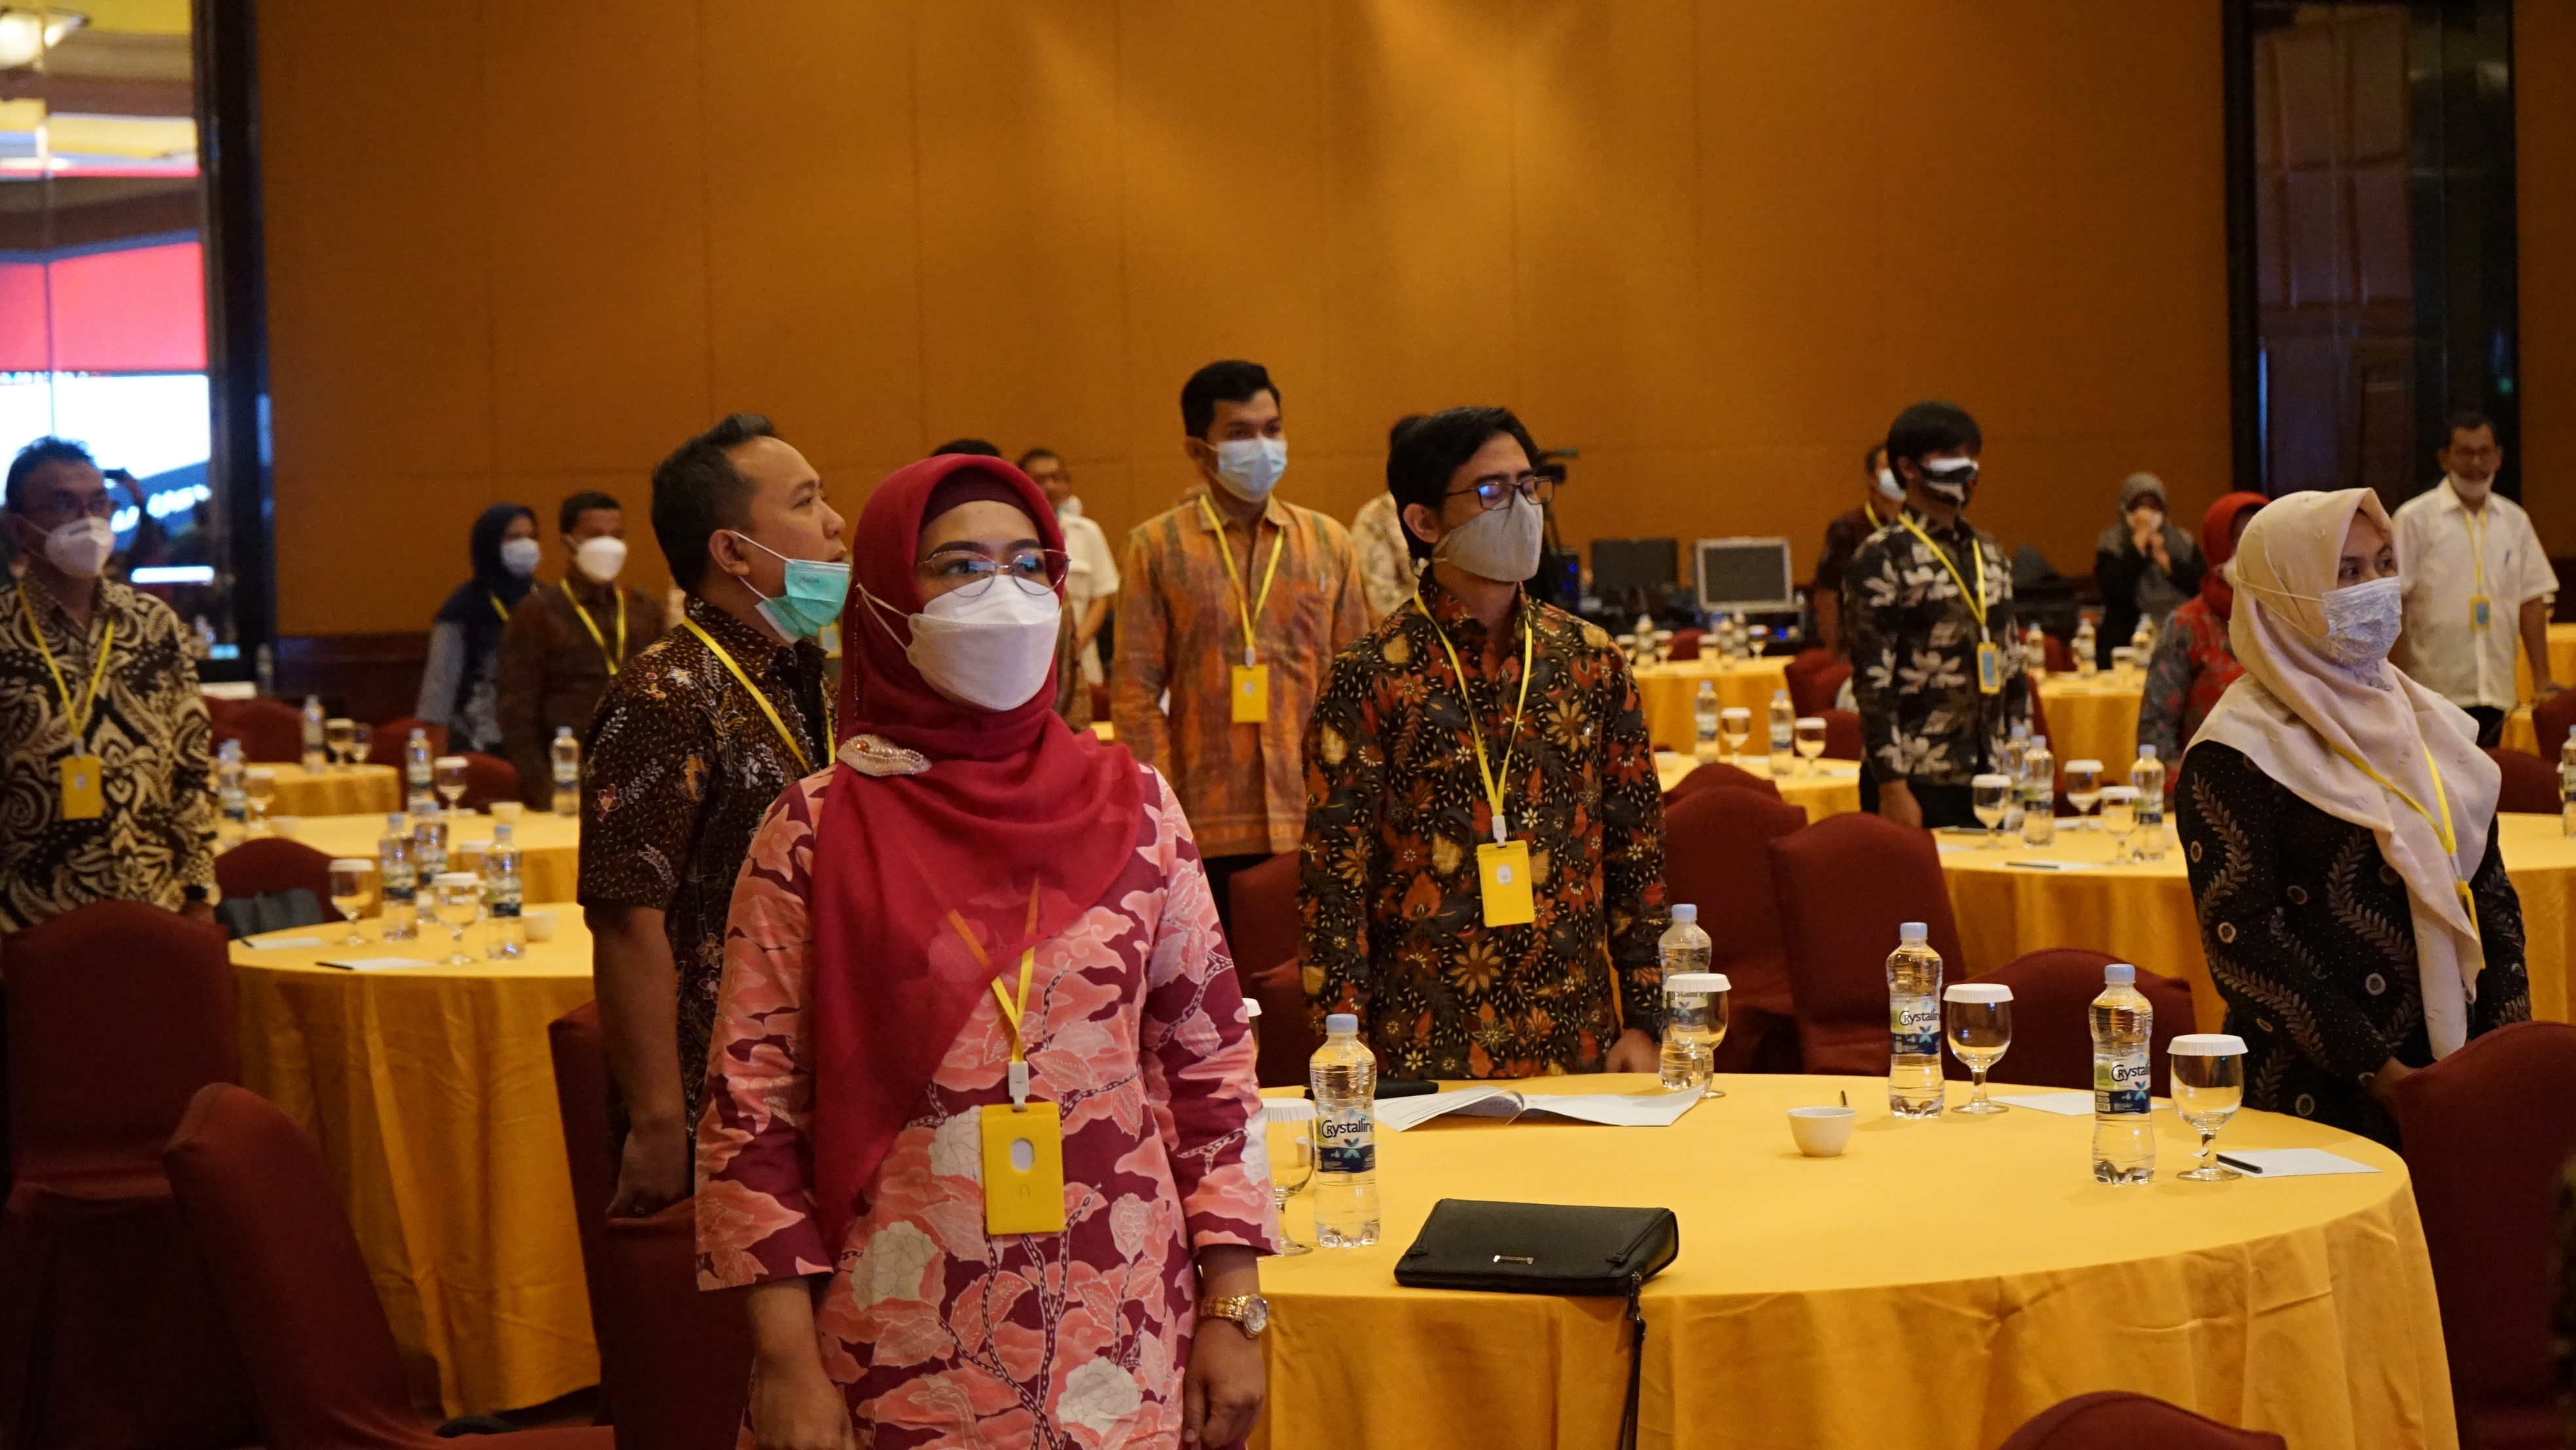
pixel 1421 523
pixel 725 552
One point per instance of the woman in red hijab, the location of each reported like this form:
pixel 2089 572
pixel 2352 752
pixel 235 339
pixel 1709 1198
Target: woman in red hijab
pixel 2193 664
pixel 975 941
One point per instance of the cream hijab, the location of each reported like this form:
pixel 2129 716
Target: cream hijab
pixel 2309 722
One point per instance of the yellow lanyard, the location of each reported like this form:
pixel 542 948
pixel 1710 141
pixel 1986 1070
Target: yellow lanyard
pixel 1977 599
pixel 1251 607
pixel 2441 824
pixel 760 699
pixel 77 716
pixel 619 658
pixel 499 609
pixel 1875 522
pixel 1013 1013
pixel 1475 732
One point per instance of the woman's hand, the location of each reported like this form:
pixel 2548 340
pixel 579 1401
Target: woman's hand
pixel 1222 1388
pixel 1633 1052
pixel 794 1405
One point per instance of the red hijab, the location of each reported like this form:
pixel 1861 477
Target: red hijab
pixel 2215 546
pixel 1016 808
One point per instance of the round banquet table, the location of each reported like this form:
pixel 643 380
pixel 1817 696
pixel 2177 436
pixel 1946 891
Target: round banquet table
pixel 431 1091
pixel 549 846
pixel 2520 733
pixel 1806 1309
pixel 2095 719
pixel 2562 661
pixel 2142 912
pixel 358 790
pixel 1670 694
pixel 1832 789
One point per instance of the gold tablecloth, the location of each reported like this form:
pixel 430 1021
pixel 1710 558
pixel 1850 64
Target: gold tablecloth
pixel 2142 913
pixel 2094 719
pixel 1670 692
pixel 431 1090
pixel 358 790
pixel 1833 790
pixel 2520 733
pixel 2562 661
pixel 549 846
pixel 1934 1287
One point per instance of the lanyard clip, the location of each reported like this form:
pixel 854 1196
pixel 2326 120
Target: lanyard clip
pixel 1502 829
pixel 1250 659
pixel 1019 1083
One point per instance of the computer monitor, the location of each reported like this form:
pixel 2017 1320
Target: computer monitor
pixel 1751 575
pixel 1622 565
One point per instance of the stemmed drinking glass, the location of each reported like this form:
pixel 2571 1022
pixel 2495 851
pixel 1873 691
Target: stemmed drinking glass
pixel 1979 1023
pixel 362 736
pixel 1991 798
pixel 2120 817
pixel 1735 727
pixel 2083 787
pixel 2208 1088
pixel 450 779
pixel 1291 1128
pixel 259 785
pixel 460 905
pixel 1810 741
pixel 351 891
pixel 335 739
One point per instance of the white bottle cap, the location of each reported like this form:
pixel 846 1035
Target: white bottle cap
pixel 1686 982
pixel 1976 992
pixel 417 733
pixel 1913 931
pixel 1340 1024
pixel 2206 1044
pixel 2039 742
pixel 459 879
pixel 2146 752
pixel 2119 974
pixel 354 863
pixel 1684 913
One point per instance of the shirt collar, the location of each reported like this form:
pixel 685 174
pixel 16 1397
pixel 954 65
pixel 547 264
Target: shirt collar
pixel 2451 495
pixel 43 604
pixel 588 590
pixel 1269 509
pixel 752 647
pixel 1962 532
pixel 1450 613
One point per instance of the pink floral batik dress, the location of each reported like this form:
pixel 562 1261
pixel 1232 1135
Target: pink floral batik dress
pixel 937 1334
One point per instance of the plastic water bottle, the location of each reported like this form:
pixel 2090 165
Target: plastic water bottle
pixel 2148 775
pixel 501 895
pixel 1343 1077
pixel 2142 641
pixel 1784 735
pixel 263 670
pixel 2016 749
pixel 2124 1141
pixel 2567 785
pixel 2038 793
pixel 394 868
pixel 567 762
pixel 2085 666
pixel 1704 714
pixel 2034 653
pixel 230 799
pixel 314 756
pixel 1684 952
pixel 429 846
pixel 420 797
pixel 1914 1023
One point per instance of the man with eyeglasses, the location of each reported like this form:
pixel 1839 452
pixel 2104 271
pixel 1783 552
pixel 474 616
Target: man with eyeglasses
pixel 1230 609
pixel 1484 853
pixel 2475 581
pixel 108 750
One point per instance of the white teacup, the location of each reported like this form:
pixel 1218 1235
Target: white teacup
pixel 540 925
pixel 1820 1132
pixel 285 827
pixel 506 810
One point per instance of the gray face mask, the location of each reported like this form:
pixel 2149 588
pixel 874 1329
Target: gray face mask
pixel 1499 544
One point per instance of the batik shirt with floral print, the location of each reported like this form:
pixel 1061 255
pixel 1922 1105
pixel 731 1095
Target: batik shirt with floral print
pixel 1914 652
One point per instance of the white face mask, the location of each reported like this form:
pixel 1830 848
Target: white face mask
pixel 1250 467
pixel 1888 487
pixel 991 650
pixel 519 556
pixel 80 548
pixel 2362 622
pixel 2472 490
pixel 601 557
pixel 1499 544
pixel 1070 509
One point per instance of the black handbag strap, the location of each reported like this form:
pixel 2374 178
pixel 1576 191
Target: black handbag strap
pixel 1636 1367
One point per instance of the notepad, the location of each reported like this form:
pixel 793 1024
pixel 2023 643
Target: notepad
pixel 2290 1162
pixel 372 964
pixel 255 944
pixel 1611 1110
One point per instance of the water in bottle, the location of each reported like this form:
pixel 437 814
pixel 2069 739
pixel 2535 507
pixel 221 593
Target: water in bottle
pixel 2148 775
pixel 2124 1140
pixel 501 894
pixel 2142 641
pixel 231 800
pixel 1704 714
pixel 1684 952
pixel 429 846
pixel 263 670
pixel 1784 735
pixel 567 763
pixel 2016 749
pixel 394 868
pixel 314 719
pixel 2567 785
pixel 1343 1077
pixel 2085 667
pixel 1914 1024
pixel 2038 793
pixel 420 793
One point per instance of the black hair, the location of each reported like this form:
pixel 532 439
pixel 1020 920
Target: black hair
pixel 1231 381
pixel 2467 420
pixel 1869 464
pixel 697 491
pixel 976 447
pixel 1422 454
pixel 581 503
pixel 36 455
pixel 1034 454
pixel 1932 427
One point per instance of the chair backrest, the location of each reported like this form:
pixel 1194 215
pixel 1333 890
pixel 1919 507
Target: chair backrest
pixel 2059 657
pixel 274 863
pixel 2121 1420
pixel 581 1097
pixel 2052 1036
pixel 1268 939
pixel 1842 735
pixel 488 778
pixel 271 731
pixel 1836 936
pixel 385 744
pixel 1717 857
pixel 118 1012
pixel 1716 774
pixel 2488 1133
pixel 259 1200
pixel 2530 783
pixel 1813 677
pixel 1685 644
pixel 675 1362
pixel 2550 720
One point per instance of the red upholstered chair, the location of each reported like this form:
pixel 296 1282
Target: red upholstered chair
pixel 2488 1131
pixel 1814 676
pixel 1717 857
pixel 273 863
pixel 1685 644
pixel 109 1331
pixel 1269 940
pixel 2550 720
pixel 581 1098
pixel 271 731
pixel 385 744
pixel 1844 885
pixel 1099 703
pixel 488 778
pixel 2060 658
pixel 1842 735
pixel 2119 1420
pixel 2530 783
pixel 324 1371
pixel 2052 1044
pixel 1715 775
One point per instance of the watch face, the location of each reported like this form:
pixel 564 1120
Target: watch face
pixel 1256 1314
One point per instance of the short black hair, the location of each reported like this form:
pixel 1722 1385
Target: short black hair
pixel 1231 381
pixel 975 447
pixel 1034 454
pixel 697 491
pixel 2467 420
pixel 581 503
pixel 36 455
pixel 1422 453
pixel 1932 427
pixel 1869 462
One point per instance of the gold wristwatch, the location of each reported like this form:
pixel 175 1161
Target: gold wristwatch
pixel 1250 1312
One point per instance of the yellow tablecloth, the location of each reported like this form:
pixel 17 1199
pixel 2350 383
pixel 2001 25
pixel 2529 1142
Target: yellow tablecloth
pixel 2562 661
pixel 1670 692
pixel 1833 790
pixel 549 846
pixel 2143 914
pixel 2094 719
pixel 2520 733
pixel 358 790
pixel 431 1090
pixel 1934 1287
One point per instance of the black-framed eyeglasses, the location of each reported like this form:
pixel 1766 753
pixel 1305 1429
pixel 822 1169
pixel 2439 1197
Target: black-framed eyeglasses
pixel 1491 492
pixel 1036 569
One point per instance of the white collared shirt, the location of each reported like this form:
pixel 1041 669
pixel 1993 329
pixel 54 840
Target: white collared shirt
pixel 2445 557
pixel 1093 570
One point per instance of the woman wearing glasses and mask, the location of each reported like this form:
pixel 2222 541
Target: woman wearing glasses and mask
pixel 980 1057
pixel 1484 857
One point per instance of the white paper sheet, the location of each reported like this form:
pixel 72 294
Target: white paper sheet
pixel 373 964
pixel 1476 1102
pixel 2072 1105
pixel 1613 1110
pixel 2290 1162
pixel 256 944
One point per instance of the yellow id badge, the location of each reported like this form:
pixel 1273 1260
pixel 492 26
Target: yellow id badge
pixel 1503 880
pixel 83 798
pixel 1023 1169
pixel 2481 614
pixel 1990 669
pixel 1251 694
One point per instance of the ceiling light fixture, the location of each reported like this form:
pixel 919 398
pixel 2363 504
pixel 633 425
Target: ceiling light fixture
pixel 25 35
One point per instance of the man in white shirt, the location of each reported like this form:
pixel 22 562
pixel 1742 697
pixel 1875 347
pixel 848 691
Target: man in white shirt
pixel 2474 577
pixel 1091 576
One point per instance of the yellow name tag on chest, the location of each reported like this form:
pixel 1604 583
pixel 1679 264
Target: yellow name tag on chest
pixel 1250 693
pixel 1503 880
pixel 1023 1169
pixel 2481 613
pixel 1990 669
pixel 84 799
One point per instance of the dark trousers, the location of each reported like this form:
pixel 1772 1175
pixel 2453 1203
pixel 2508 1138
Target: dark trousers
pixel 1220 875
pixel 1942 805
pixel 2490 725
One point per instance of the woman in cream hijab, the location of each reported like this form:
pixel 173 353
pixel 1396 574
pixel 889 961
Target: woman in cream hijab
pixel 2338 821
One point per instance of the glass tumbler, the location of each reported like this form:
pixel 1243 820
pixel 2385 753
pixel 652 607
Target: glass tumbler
pixel 1290 1127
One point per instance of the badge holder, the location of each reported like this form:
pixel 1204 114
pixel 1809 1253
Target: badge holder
pixel 2481 613
pixel 1023 1141
pixel 1249 690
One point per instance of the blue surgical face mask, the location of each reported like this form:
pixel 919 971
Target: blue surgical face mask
pixel 815 593
pixel 1250 467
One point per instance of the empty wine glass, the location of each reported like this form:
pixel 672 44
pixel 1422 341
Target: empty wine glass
pixel 1979 1023
pixel 2119 818
pixel 1735 726
pixel 335 739
pixel 1810 741
pixel 2208 1088
pixel 459 905
pixel 2083 780
pixel 259 785
pixel 1991 797
pixel 351 889
pixel 450 779
pixel 362 738
pixel 1291 1129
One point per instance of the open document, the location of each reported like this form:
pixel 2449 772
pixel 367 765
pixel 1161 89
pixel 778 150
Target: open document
pixel 1612 1110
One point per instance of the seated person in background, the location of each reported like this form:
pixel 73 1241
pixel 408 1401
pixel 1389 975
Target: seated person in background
pixel 1477 729
pixel 566 641
pixel 2338 822
pixel 460 685
pixel 2145 566
pixel 2477 579
pixel 1880 494
pixel 2193 663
